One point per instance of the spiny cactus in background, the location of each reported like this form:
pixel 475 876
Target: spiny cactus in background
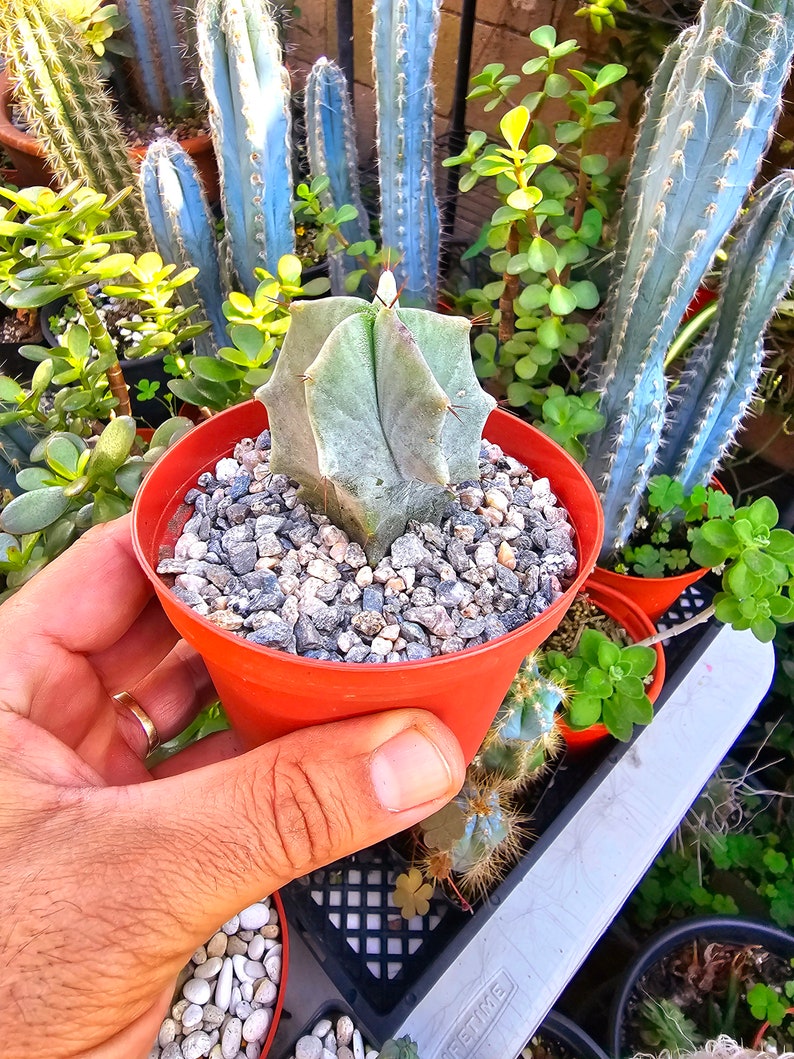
pixel 248 92
pixel 331 143
pixel 64 101
pixel 164 72
pixel 183 228
pixel 375 410
pixel 477 837
pixel 723 370
pixel 711 108
pixel 404 38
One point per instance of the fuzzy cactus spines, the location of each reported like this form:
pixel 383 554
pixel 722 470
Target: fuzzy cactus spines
pixel 331 144
pixel 723 370
pixel 58 84
pixel 711 111
pixel 375 410
pixel 404 38
pixel 184 231
pixel 248 91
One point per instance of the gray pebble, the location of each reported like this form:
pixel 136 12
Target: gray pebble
pixel 231 1038
pixel 197 991
pixel 231 926
pixel 196 1044
pixel 171 1051
pixel 308 1047
pixel 213 1017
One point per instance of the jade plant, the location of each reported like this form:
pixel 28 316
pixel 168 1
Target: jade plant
pixel 554 192
pixel 709 115
pixel 471 843
pixel 375 411
pixel 605 683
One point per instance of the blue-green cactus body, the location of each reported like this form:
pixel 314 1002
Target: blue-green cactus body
pixel 711 111
pixel 724 369
pixel 162 68
pixel 184 232
pixel 248 91
pixel 403 44
pixel 17 441
pixel 331 143
pixel 487 827
pixel 375 410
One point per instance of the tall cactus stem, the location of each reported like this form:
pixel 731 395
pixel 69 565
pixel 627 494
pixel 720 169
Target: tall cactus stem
pixel 161 69
pixel 404 38
pixel 331 141
pixel 248 91
pixel 183 229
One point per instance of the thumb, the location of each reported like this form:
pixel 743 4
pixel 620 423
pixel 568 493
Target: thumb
pixel 253 823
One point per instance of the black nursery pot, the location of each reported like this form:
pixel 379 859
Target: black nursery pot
pixel 570 1036
pixel 730 929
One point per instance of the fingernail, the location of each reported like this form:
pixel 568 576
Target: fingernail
pixel 409 770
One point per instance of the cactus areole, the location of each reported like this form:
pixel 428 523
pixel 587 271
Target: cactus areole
pixel 376 412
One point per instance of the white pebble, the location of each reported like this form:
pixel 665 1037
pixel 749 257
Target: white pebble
pixel 254 917
pixel 223 987
pixel 257 1024
pixel 253 1050
pixel 344 1030
pixel 256 947
pixel 273 968
pixel 167 1032
pixel 192 1017
pixel 197 991
pixel 247 989
pixel 308 1048
pixel 196 1045
pixel 321 1028
pixel 231 926
pixel 231 1038
pixel 358 1045
pixel 209 969
pixel 243 1009
pixel 200 955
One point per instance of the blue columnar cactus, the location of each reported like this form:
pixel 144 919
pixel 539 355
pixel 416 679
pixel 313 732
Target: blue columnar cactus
pixel 710 112
pixel 376 411
pixel 248 91
pixel 723 370
pixel 184 231
pixel 162 71
pixel 403 43
pixel 331 143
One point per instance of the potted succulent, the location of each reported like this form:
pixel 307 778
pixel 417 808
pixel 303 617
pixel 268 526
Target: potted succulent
pixel 414 385
pixel 153 84
pixel 686 186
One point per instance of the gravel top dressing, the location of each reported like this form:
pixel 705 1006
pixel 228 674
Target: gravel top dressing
pixel 254 560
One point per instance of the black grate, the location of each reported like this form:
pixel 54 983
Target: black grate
pixel 365 945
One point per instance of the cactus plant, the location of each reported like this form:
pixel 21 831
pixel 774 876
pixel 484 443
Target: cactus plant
pixel 723 370
pixel 183 229
pixel 709 115
pixel 474 839
pixel 362 414
pixel 404 37
pixel 163 73
pixel 17 441
pixel 247 88
pixel 65 103
pixel 331 143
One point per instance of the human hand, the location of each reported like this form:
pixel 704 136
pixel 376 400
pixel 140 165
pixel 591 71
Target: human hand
pixel 111 876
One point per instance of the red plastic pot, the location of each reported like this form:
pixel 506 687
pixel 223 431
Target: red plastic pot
pixel 638 625
pixel 282 989
pixel 269 693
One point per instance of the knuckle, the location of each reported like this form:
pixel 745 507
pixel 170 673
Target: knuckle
pixel 310 821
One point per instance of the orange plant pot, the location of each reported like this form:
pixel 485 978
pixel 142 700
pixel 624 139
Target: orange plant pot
pixel 638 625
pixel 268 693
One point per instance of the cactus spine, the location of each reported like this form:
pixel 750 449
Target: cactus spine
pixel 331 142
pixel 477 837
pixel 403 43
pixel 723 370
pixel 162 70
pixel 17 441
pixel 248 91
pixel 65 103
pixel 710 113
pixel 184 231
pixel 359 412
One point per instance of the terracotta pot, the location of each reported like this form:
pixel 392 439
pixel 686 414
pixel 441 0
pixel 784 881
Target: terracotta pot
pixel 268 693
pixel 29 156
pixel 638 625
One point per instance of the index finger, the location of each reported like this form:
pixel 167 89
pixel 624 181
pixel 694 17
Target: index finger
pixel 86 599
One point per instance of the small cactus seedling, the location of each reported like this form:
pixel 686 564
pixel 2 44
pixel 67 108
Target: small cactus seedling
pixel 375 410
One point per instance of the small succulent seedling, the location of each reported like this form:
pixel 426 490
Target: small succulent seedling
pixel 375 410
pixel 606 682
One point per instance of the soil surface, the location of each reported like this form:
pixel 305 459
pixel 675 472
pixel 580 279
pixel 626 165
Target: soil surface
pixel 581 615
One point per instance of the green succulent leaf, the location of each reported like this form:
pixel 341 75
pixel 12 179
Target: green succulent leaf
pixel 34 511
